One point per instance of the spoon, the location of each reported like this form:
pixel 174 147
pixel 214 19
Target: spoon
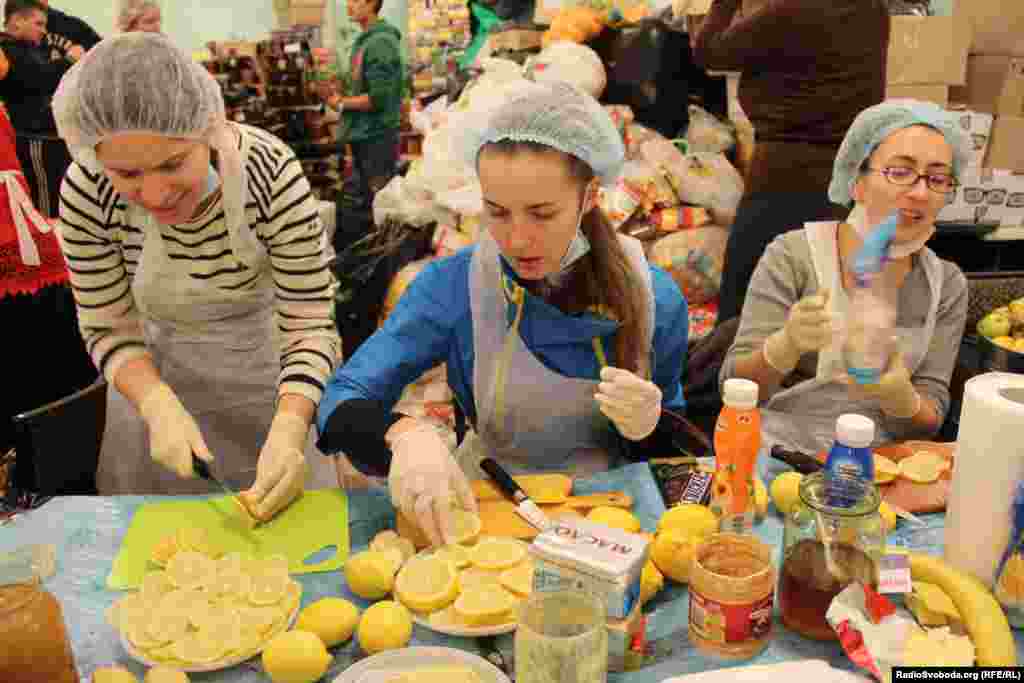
pixel 834 569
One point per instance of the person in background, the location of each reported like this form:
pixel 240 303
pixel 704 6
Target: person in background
pixel 562 345
pixel 27 89
pixel 65 33
pixel 901 156
pixel 199 265
pixel 138 15
pixel 371 110
pixel 808 68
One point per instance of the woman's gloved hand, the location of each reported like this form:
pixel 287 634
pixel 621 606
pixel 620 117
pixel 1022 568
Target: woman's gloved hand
pixel 895 393
pixel 425 482
pixel 173 434
pixel 281 469
pixel 809 327
pixel 632 403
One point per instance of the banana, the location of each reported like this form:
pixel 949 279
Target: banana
pixel 982 615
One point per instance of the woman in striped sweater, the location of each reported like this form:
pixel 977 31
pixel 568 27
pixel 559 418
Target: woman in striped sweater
pixel 198 264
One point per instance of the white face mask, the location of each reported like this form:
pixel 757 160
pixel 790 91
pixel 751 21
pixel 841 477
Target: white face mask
pixel 858 220
pixel 579 245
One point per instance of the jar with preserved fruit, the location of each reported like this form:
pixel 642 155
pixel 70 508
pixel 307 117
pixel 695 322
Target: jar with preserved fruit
pixel 36 648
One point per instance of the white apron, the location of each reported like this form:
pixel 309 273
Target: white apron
pixel 216 349
pixel 552 422
pixel 803 417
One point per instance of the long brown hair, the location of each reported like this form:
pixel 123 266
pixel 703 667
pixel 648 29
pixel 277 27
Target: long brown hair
pixel 603 279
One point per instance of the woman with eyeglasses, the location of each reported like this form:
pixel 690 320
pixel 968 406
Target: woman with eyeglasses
pixel 903 157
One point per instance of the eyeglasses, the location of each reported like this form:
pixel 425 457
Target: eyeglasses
pixel 941 183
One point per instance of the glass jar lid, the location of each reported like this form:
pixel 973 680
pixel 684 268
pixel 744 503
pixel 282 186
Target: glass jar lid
pixel 856 497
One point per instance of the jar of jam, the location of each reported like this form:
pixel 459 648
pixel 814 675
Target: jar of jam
pixel 833 538
pixel 35 647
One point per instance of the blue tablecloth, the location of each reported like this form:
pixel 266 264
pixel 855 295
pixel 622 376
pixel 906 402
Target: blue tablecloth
pixel 87 533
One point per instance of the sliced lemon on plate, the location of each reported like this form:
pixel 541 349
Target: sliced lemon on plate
pixel 474 576
pixel 886 470
pixel 199 648
pixel 163 551
pixel 485 606
pixel 227 584
pixel 519 579
pixel 457 554
pixel 427 583
pixel 466 526
pixel 271 564
pixel 496 553
pixel 923 467
pixel 268 588
pixel 166 627
pixel 191 569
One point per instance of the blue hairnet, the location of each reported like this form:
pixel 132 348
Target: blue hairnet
pixel 873 125
pixel 554 114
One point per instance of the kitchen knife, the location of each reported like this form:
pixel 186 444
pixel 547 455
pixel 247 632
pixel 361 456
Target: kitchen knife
pixel 526 508
pixel 204 472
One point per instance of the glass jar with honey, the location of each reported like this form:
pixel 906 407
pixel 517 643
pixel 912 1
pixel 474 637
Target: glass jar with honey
pixel 833 538
pixel 35 647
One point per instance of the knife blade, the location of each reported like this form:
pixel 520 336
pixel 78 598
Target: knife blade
pixel 203 470
pixel 526 508
pixel 900 512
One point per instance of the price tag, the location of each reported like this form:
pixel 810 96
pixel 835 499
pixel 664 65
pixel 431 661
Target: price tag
pixel 894 574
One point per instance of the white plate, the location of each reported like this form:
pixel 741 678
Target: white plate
pixel 463 631
pixel 202 668
pixel 412 658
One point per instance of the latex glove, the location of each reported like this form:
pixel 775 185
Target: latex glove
pixel 632 403
pixel 808 328
pixel 173 434
pixel 281 469
pixel 425 482
pixel 895 393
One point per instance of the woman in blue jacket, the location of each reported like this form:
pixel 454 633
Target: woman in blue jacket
pixel 562 344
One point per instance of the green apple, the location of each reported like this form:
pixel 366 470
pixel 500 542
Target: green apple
pixel 994 325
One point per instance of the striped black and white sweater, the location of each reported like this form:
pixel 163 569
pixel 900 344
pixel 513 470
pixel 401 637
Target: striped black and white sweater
pixel 103 246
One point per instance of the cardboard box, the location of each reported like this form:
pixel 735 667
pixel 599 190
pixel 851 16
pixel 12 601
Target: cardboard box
pixel 927 50
pixel 939 94
pixel 1013 211
pixel 977 126
pixel 306 16
pixel 979 199
pixel 996 26
pixel 1006 149
pixel 995 84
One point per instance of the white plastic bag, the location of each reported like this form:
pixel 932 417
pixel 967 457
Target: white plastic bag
pixel 708 134
pixel 701 179
pixel 571 63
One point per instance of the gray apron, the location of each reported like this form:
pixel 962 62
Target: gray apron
pixel 552 422
pixel 216 349
pixel 803 417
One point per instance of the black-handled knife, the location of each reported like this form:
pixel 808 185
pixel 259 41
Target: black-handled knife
pixel 801 462
pixel 526 508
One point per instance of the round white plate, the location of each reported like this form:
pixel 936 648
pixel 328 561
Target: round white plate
pixel 413 658
pixel 202 668
pixel 462 631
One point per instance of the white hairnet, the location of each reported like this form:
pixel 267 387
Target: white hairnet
pixel 554 114
pixel 142 83
pixel 873 125
pixel 130 11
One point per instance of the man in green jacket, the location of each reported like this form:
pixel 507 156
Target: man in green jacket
pixel 371 108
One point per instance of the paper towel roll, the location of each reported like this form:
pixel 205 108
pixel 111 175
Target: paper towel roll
pixel 989 462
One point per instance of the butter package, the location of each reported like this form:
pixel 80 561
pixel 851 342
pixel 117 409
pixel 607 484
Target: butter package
pixel 593 558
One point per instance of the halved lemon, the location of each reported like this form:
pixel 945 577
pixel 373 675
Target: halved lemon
pixel 922 467
pixel 390 539
pixel 268 588
pixel 427 583
pixel 466 526
pixel 497 553
pixel 191 569
pixel 519 579
pixel 475 576
pixel 485 605
pixel 885 469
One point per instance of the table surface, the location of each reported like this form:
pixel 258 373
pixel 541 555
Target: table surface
pixel 87 533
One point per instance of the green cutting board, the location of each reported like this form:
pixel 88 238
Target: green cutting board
pixel 315 521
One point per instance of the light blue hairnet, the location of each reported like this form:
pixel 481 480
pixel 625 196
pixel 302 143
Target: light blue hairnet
pixel 873 125
pixel 554 114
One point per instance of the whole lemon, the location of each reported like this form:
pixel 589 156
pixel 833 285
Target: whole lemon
pixel 673 553
pixel 617 518
pixel 888 517
pixel 785 491
pixel 113 674
pixel 371 574
pixel 386 625
pixel 295 657
pixel 651 581
pixel 690 518
pixel 333 619
pixel 165 674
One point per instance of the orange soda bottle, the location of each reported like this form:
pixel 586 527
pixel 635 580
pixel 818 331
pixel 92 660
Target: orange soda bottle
pixel 737 442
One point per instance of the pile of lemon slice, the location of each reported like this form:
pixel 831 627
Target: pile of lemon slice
pixel 921 467
pixel 200 610
pixel 466 587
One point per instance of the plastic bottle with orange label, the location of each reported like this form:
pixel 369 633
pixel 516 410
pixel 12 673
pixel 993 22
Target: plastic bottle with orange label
pixel 737 441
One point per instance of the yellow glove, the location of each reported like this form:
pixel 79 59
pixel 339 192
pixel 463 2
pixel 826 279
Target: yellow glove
pixel 281 469
pixel 173 433
pixel 808 328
